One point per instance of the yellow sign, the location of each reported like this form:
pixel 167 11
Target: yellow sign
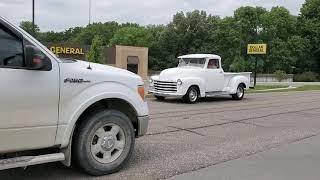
pixel 66 50
pixel 257 48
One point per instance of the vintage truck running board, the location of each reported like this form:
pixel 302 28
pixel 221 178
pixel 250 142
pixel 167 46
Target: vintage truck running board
pixel 25 161
pixel 217 93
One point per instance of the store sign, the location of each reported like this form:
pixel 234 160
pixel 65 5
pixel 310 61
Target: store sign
pixel 257 48
pixel 66 50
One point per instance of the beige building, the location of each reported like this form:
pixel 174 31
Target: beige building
pixel 134 59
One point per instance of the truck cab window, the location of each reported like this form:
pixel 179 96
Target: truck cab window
pixel 213 64
pixel 11 50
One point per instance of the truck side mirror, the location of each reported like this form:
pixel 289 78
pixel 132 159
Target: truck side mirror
pixel 37 60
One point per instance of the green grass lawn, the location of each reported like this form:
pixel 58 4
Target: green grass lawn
pixel 263 87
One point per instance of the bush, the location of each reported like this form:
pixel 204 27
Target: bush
pixel 95 52
pixel 306 77
pixel 280 75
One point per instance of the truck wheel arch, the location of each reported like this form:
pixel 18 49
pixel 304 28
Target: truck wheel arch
pixel 109 103
pixel 112 103
pixel 198 83
pixel 197 87
pixel 243 84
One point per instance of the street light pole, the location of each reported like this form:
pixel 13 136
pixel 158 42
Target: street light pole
pixel 240 37
pixel 33 24
pixel 89 12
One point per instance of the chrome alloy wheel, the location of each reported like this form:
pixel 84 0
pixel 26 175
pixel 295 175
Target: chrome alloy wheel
pixel 108 143
pixel 240 91
pixel 193 95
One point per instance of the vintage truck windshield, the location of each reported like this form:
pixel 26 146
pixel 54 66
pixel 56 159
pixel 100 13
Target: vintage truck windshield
pixel 194 62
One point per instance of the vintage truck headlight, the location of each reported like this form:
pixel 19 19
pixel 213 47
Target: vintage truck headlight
pixel 151 81
pixel 179 82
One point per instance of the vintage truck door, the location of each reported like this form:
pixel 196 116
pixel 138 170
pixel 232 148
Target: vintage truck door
pixel 214 76
pixel 28 98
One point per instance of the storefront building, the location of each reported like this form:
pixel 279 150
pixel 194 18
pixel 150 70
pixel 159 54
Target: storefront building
pixel 134 59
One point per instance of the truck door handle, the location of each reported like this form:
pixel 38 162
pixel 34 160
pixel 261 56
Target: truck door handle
pixel 220 72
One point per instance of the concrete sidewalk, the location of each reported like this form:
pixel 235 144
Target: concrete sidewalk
pixel 296 161
pixel 295 84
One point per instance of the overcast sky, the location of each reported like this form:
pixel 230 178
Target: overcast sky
pixel 61 14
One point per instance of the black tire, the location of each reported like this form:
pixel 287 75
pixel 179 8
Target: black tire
pixel 86 132
pixel 240 93
pixel 160 98
pixel 191 99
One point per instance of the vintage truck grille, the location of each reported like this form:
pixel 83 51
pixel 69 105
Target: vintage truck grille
pixel 165 86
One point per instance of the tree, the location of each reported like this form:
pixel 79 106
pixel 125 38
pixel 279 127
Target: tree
pixel 132 36
pixel 105 30
pixel 292 40
pixel 279 23
pixel 28 27
pixel 95 52
pixel 251 22
pixel 187 33
pixel 60 37
pixel 309 28
pixel 299 49
pixel 238 65
pixel 227 42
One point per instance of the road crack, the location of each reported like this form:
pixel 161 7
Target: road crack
pixel 194 132
pixel 231 122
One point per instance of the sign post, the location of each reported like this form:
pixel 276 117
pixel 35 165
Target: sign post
pixel 256 49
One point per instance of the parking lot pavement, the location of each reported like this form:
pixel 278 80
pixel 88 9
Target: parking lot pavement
pixel 294 161
pixel 188 137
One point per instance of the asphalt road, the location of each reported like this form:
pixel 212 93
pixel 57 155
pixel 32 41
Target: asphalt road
pixel 295 161
pixel 184 137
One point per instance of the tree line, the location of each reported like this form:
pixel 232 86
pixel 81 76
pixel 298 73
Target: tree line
pixel 293 41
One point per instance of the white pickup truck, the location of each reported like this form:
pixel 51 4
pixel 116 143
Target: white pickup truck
pixel 53 109
pixel 198 75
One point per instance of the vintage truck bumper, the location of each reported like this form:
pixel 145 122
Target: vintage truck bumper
pixel 143 123
pixel 166 94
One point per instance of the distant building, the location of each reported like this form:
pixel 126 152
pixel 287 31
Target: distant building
pixel 134 59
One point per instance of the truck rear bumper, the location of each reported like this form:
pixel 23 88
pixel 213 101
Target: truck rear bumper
pixel 143 122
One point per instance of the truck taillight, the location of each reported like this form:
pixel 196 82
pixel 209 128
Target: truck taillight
pixel 141 92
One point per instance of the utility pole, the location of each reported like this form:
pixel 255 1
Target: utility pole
pixel 33 24
pixel 89 12
pixel 240 38
pixel 255 71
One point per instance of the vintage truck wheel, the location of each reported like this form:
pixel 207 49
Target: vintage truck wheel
pixel 160 98
pixel 192 95
pixel 103 142
pixel 240 93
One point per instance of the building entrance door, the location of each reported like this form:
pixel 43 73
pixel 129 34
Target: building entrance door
pixel 132 64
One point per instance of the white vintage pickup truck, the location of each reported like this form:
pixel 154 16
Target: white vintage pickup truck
pixel 198 75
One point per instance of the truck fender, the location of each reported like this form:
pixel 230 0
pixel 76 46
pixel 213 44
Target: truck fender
pixel 79 103
pixel 236 81
pixel 188 82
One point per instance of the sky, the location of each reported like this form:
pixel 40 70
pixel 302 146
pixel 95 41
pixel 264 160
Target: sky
pixel 58 15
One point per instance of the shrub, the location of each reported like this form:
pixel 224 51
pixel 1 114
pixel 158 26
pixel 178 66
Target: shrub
pixel 280 75
pixel 306 77
pixel 95 52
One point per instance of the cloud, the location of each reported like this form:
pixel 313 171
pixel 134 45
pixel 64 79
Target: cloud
pixel 61 14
